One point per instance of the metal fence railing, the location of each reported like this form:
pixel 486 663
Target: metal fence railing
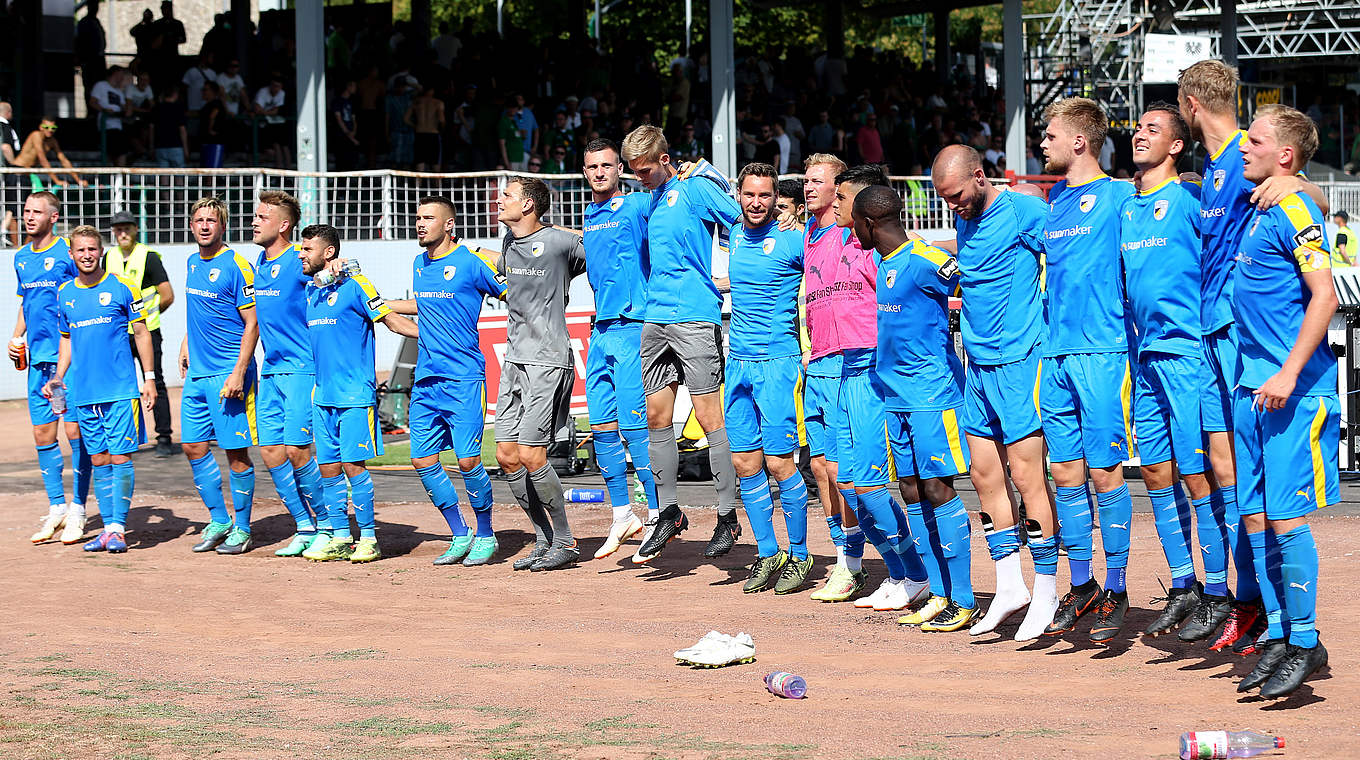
pixel 373 205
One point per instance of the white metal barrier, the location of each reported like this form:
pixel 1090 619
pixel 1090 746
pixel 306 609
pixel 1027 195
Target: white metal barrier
pixel 376 205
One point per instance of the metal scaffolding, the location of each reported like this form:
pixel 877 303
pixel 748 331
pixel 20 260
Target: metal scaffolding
pixel 1275 29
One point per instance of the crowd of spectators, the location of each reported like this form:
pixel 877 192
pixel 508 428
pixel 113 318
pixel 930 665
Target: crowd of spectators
pixel 456 100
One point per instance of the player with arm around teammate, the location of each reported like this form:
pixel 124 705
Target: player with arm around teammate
pixel 450 279
pixel 340 319
pixel 94 312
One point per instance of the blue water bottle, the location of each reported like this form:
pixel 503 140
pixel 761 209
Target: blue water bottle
pixel 787 685
pixel 586 495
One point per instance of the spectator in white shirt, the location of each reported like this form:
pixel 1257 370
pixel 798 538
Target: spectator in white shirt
pixel 233 88
pixel 274 135
pixel 107 99
pixel 193 81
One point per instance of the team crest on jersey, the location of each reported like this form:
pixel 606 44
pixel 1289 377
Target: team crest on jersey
pixel 1159 209
pixel 536 249
pixel 616 203
pixel 1219 176
pixel 105 298
pixel 672 197
pixel 449 271
pixel 330 299
pixel 767 246
pixel 274 271
pixel 48 263
pixel 1086 203
pixel 213 275
pixel 890 278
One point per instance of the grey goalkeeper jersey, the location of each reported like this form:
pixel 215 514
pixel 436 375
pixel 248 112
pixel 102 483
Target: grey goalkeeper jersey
pixel 538 269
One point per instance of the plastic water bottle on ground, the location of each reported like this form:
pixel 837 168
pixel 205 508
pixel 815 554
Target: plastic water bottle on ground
pixel 587 495
pixel 787 685
pixel 1218 745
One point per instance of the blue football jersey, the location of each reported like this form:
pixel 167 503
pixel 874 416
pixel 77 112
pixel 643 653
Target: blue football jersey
pixel 217 289
pixel 916 363
pixel 281 308
pixel 765 267
pixel 1269 296
pixel 1225 210
pixel 999 261
pixel 683 218
pixel 96 319
pixel 616 247
pixel 1160 245
pixel 448 292
pixel 340 321
pixel 1084 305
pixel 40 273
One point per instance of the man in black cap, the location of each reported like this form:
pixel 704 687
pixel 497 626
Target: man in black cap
pixel 141 267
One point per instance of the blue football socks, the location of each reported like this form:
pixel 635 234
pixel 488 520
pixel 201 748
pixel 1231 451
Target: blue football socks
pixel 208 481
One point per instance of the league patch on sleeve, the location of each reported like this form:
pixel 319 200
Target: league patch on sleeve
pixel 1310 234
pixel 248 291
pixel 376 303
pixel 949 269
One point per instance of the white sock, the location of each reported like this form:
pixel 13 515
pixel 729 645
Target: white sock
pixel 1041 608
pixel 56 509
pixel 853 564
pixel 621 514
pixel 653 513
pixel 840 555
pixel 1011 595
pixel 113 528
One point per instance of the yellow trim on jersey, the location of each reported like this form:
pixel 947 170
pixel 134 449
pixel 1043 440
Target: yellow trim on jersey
pixel 930 253
pixel 951 432
pixel 1125 395
pixel 1159 186
pixel 371 292
pixel 279 255
pixel 219 252
pixel 250 415
pixel 55 239
pixel 1310 255
pixel 1234 137
pixel 1096 178
pixel 900 248
pixel 1315 446
pixel 97 283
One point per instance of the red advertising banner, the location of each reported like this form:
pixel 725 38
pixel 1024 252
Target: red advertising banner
pixel 491 329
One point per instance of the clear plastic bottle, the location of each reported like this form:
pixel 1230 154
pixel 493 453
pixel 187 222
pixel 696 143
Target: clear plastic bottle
pixel 787 685
pixel 58 400
pixel 1219 745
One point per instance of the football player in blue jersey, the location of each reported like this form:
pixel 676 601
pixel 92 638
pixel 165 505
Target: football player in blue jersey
pixel 96 369
pixel 340 319
pixel 1207 97
pixel 1085 386
pixel 682 336
pixel 42 265
pixel 920 379
pixel 217 361
pixel 616 246
pixel 1160 250
pixel 1000 240
pixel 450 280
pixel 284 414
pixel 1286 414
pixel 764 368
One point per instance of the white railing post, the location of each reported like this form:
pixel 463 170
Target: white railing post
pixel 386 224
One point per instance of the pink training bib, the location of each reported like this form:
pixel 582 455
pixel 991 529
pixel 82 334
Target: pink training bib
pixel 842 304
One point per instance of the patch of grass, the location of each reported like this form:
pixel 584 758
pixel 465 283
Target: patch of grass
pixel 505 728
pixel 355 654
pixel 54 657
pixel 503 712
pixel 390 726
pixel 81 674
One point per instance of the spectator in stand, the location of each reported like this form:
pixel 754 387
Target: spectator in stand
pixel 996 151
pixel 677 97
pixel 534 165
pixel 575 111
pixel 400 135
pixel 194 78
pixel 170 131
pixel 214 131
pixel 107 100
pixel 561 136
pixel 446 46
pixel 767 148
pixel 558 162
pixel 233 88
pixel 274 135
pixel 781 138
pixel 368 115
pixel 527 125
pixel 11 199
pixel 426 117
pixel 337 51
pixel 40 149
pixel 144 36
pixel 220 41
pixel 89 47
pixel 822 136
pixel 868 142
pixel 344 135
pixel 171 37
pixel 687 147
pixel 510 139
pixel 793 127
pixel 141 98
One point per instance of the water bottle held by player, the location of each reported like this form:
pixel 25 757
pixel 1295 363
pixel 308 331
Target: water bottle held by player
pixel 1219 745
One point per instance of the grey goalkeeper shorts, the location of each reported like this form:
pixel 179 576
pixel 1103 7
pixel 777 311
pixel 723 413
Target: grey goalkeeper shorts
pixel 532 403
pixel 689 353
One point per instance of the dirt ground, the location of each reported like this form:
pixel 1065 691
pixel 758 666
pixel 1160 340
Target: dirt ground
pixel 162 653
